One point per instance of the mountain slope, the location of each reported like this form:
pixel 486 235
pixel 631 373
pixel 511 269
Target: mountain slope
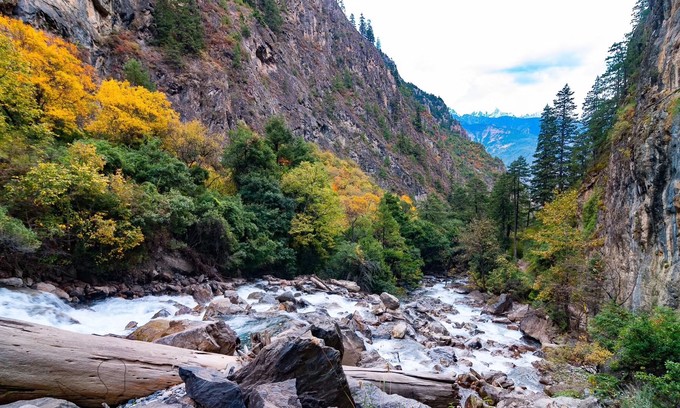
pixel 503 136
pixel 332 86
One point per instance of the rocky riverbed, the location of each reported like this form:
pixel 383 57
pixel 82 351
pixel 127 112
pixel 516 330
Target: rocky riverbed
pixel 442 329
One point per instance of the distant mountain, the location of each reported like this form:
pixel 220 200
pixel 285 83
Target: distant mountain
pixel 502 134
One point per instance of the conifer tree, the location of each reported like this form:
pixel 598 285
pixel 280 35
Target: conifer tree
pixel 353 20
pixel 566 124
pixel 370 36
pixel 362 25
pixel 519 171
pixel 378 44
pixel 543 171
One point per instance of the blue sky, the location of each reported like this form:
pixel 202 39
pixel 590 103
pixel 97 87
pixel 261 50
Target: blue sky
pixel 513 55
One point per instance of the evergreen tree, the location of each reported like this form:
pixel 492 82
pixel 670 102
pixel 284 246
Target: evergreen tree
pixel 378 44
pixel 370 36
pixel 519 172
pixel 566 124
pixel 341 3
pixel 353 20
pixel 179 28
pixel 362 25
pixel 543 171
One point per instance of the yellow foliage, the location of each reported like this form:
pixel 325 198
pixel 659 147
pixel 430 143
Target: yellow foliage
pixel 559 230
pixel 62 84
pixel 581 354
pixel 193 144
pixel 129 114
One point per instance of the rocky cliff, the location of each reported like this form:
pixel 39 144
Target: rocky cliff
pixel 331 85
pixel 642 194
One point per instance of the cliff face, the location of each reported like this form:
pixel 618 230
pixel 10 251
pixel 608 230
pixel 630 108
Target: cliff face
pixel 333 87
pixel 642 196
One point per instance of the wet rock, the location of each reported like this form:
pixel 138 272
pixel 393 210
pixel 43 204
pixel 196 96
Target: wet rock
pixel 211 389
pixel 276 395
pixel 445 356
pixel 131 325
pixel 399 330
pixel 475 401
pixel 501 305
pixel 41 403
pixel 50 288
pixel 372 359
pixel 286 297
pixel 391 302
pixel 11 283
pixel 161 313
pixel 213 337
pixel 320 381
pixel 353 345
pixel 466 380
pixel 538 327
pixel 492 393
pixel 288 307
pixel 474 343
pixel 184 310
pixel 518 312
pixel 256 295
pixel 369 395
pixel 202 293
pixel 153 330
pixel 223 307
pixel 330 333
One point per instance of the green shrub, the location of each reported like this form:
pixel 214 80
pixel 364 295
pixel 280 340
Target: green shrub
pixel 14 236
pixel 179 28
pixel 137 75
pixel 508 278
pixel 606 327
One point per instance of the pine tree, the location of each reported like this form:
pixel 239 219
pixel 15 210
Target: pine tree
pixel 352 20
pixel 519 172
pixel 378 44
pixel 566 124
pixel 370 36
pixel 341 3
pixel 543 170
pixel 362 25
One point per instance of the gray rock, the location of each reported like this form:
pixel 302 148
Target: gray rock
pixel 368 395
pixel 399 330
pixel 41 403
pixel 276 395
pixel 320 381
pixel 50 288
pixel 500 306
pixel 538 327
pixel 212 337
pixel 330 333
pixel 353 345
pixel 12 282
pixel 373 359
pixel 390 301
pixel 161 313
pixel 202 293
pixel 286 297
pixel 224 307
pixel 211 389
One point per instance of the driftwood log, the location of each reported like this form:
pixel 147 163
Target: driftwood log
pixel 437 391
pixel 39 361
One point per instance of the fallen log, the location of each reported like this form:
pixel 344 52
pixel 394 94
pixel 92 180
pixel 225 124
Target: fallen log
pixel 40 361
pixel 437 391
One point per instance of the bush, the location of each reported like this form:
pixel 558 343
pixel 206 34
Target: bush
pixel 606 327
pixel 14 236
pixel 179 28
pixel 666 388
pixel 508 278
pixel 137 75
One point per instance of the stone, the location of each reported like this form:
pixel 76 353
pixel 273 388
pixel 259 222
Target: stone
pixel 12 282
pixel 538 327
pixel 501 305
pixel 277 395
pixel 211 388
pixel 330 333
pixel 446 356
pixel 474 401
pixel 50 288
pixel 474 343
pixel 223 307
pixel 211 337
pixel 320 380
pixel 286 297
pixel 399 330
pixel 373 359
pixel 353 346
pixel 153 330
pixel 131 325
pixel 41 403
pixel 161 313
pixel 368 395
pixel 391 302
pixel 492 393
pixel 202 293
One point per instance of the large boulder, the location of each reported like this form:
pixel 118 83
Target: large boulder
pixel 224 307
pixel 212 337
pixel 11 283
pixel 329 332
pixel 391 302
pixel 211 388
pixel 373 359
pixel 538 327
pixel 353 346
pixel 276 395
pixel 399 330
pixel 50 288
pixel 502 305
pixel 41 403
pixel 368 395
pixel 317 369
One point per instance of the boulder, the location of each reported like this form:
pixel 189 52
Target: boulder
pixel 474 401
pixel 286 297
pixel 212 337
pixel 50 288
pixel 317 369
pixel 223 307
pixel 446 356
pixel 390 301
pixel 538 327
pixel 491 393
pixel 161 313
pixel 353 346
pixel 373 359
pixel 202 293
pixel 154 330
pixel 399 330
pixel 41 403
pixel 211 388
pixel 276 395
pixel 12 282
pixel 500 306
pixel 368 395
pixel 330 333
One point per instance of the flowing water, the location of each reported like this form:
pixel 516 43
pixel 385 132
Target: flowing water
pixel 112 316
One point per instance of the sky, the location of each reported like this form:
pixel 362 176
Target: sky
pixel 512 55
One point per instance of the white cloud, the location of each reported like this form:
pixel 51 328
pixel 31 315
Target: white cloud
pixel 465 50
